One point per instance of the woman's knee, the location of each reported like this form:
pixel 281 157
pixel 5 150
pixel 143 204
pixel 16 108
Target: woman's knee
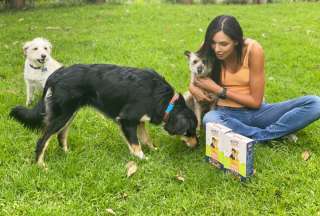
pixel 314 102
pixel 212 117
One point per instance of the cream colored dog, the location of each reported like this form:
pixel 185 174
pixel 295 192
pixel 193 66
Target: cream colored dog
pixel 39 65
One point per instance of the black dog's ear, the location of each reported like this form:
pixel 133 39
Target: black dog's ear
pixel 181 100
pixel 187 53
pixel 176 125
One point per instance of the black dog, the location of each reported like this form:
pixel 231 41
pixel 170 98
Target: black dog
pixel 131 96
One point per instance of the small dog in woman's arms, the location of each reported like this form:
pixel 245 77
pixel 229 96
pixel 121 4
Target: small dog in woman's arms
pixel 39 65
pixel 199 68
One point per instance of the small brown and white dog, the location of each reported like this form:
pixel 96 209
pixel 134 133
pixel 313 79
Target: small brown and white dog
pixel 39 65
pixel 199 68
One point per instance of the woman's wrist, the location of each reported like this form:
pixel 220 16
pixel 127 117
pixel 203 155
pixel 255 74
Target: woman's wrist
pixel 222 93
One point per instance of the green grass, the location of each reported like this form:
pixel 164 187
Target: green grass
pixel 92 176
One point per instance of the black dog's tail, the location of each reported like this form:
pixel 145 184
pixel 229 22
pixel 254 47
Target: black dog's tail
pixel 30 118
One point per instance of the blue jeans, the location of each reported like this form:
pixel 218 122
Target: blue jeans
pixel 270 121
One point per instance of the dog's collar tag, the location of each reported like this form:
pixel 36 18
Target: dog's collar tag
pixel 44 69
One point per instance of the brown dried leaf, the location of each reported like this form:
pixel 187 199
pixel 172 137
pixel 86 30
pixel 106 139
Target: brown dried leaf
pixel 179 177
pixel 124 195
pixel 110 211
pixel 131 168
pixel 306 155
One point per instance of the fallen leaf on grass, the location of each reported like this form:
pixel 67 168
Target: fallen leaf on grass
pixel 53 28
pixel 110 211
pixel 179 177
pixel 131 168
pixel 124 195
pixel 306 155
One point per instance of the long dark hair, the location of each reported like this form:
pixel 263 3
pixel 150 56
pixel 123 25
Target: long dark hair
pixel 229 26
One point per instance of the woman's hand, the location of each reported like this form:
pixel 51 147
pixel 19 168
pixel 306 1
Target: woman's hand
pixel 207 84
pixel 199 94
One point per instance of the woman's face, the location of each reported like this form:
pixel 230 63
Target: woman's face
pixel 223 45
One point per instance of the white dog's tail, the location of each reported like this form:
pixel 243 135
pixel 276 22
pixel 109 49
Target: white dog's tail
pixel 30 118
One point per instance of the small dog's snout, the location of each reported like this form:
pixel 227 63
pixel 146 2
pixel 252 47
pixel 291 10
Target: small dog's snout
pixel 200 69
pixel 43 56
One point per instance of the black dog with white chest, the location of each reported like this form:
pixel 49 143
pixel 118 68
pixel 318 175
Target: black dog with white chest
pixel 131 96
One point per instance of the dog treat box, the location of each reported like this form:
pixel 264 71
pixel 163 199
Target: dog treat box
pixel 229 151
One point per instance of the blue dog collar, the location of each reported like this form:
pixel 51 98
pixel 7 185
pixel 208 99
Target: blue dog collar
pixel 170 106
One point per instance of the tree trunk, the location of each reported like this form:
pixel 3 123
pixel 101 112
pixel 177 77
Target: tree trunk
pixel 17 4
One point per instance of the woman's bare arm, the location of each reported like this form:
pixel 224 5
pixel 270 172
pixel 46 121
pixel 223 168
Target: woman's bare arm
pixel 257 81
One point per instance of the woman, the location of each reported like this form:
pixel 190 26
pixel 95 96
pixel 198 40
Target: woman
pixel 239 81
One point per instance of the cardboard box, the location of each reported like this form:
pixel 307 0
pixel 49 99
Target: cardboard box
pixel 215 139
pixel 229 151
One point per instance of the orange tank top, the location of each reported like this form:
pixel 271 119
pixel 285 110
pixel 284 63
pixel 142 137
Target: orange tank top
pixel 237 82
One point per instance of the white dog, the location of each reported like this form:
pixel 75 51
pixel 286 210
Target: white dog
pixel 199 68
pixel 39 65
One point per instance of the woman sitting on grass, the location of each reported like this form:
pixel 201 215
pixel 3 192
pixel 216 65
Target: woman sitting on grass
pixel 238 80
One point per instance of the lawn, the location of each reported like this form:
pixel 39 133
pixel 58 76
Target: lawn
pixel 91 178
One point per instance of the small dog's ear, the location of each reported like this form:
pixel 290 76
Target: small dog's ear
pixel 47 42
pixel 50 46
pixel 187 53
pixel 25 47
